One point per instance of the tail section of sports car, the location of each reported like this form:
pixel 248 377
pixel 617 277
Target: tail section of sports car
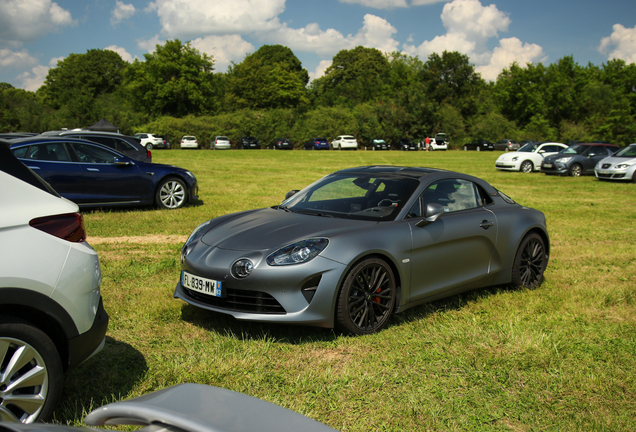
pixel 360 244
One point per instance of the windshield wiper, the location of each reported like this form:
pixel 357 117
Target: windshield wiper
pixel 315 214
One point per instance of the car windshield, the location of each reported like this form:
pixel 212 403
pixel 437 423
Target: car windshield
pixel 379 141
pixel 575 149
pixel 353 196
pixel 629 151
pixel 529 148
pixel 221 138
pixel 320 139
pixel 349 137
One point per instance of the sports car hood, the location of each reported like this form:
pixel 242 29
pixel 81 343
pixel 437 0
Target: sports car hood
pixel 272 229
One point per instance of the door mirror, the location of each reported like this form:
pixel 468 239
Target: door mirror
pixel 291 193
pixel 433 212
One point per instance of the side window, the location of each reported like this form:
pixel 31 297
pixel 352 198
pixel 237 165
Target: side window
pixel 46 152
pixel 108 142
pixel 454 195
pixel 123 146
pixel 93 154
pixel 21 152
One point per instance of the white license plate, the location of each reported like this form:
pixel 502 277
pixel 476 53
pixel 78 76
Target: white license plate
pixel 500 164
pixel 204 286
pixel 603 171
pixel 547 165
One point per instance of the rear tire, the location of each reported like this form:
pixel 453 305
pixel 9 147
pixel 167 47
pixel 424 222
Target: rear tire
pixel 27 353
pixel 149 146
pixel 530 262
pixel 465 148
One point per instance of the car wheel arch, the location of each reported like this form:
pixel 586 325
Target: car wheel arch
pixel 45 322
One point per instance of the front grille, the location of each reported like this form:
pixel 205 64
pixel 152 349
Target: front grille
pixel 241 301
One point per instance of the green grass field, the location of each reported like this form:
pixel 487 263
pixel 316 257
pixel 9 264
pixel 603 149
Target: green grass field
pixel 559 357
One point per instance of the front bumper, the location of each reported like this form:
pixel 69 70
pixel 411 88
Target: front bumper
pixel 612 175
pixel 554 168
pixel 300 294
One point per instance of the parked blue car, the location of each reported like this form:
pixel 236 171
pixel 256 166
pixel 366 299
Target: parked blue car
pixel 93 175
pixel 317 143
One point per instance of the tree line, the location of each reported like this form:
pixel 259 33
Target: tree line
pixel 175 91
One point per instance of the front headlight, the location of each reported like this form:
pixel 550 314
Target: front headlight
pixel 297 253
pixel 564 160
pixel 196 231
pixel 622 166
pixel 515 159
pixel 190 174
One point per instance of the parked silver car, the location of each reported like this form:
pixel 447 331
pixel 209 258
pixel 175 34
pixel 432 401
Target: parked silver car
pixel 360 244
pixel 620 166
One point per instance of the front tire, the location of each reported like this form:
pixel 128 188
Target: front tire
pixel 526 166
pixel 530 262
pixel 465 148
pixel 576 170
pixel 171 194
pixel 478 149
pixel 31 381
pixel 367 298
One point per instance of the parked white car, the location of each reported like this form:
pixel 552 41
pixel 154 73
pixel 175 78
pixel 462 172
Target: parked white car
pixel 344 142
pixel 189 141
pixel 149 140
pixel 51 313
pixel 620 166
pixel 220 143
pixel 440 142
pixel 529 157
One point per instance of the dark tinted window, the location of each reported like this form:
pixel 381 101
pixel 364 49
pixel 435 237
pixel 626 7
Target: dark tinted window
pixel 93 154
pixel 46 152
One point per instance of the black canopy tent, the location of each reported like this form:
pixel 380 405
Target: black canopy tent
pixel 104 126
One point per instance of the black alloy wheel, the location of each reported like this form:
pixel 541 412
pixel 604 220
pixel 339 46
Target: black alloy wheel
pixel 530 262
pixel 367 297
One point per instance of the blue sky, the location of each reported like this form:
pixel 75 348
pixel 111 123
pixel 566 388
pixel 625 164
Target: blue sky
pixel 35 34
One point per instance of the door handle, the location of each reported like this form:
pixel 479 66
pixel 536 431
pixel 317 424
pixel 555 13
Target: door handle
pixel 485 224
pixel 92 169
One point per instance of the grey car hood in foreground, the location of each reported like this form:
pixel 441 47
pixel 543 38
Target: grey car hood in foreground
pixel 202 408
pixel 189 408
pixel 270 228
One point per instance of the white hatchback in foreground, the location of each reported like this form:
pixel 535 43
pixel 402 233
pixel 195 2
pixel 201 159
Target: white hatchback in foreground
pixel 344 142
pixel 528 158
pixel 51 312
pixel 619 166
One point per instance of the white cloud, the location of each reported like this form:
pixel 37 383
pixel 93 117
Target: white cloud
pixel 122 11
pixel 150 45
pixel 623 40
pixel 378 4
pixel 34 79
pixel 509 51
pixel 16 59
pixel 320 70
pixel 189 18
pixel 224 49
pixel 27 20
pixel 125 55
pixel 469 26
pixel 376 32
pixel 54 60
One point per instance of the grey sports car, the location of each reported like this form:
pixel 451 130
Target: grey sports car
pixel 359 244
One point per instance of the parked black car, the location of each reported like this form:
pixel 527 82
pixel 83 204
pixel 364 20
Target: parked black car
pixel 406 144
pixel 15 135
pixel 282 144
pixel 317 143
pixel 577 160
pixel 479 145
pixel 378 144
pixel 130 146
pixel 249 142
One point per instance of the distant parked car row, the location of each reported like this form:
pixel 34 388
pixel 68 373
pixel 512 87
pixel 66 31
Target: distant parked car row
pixel 604 160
